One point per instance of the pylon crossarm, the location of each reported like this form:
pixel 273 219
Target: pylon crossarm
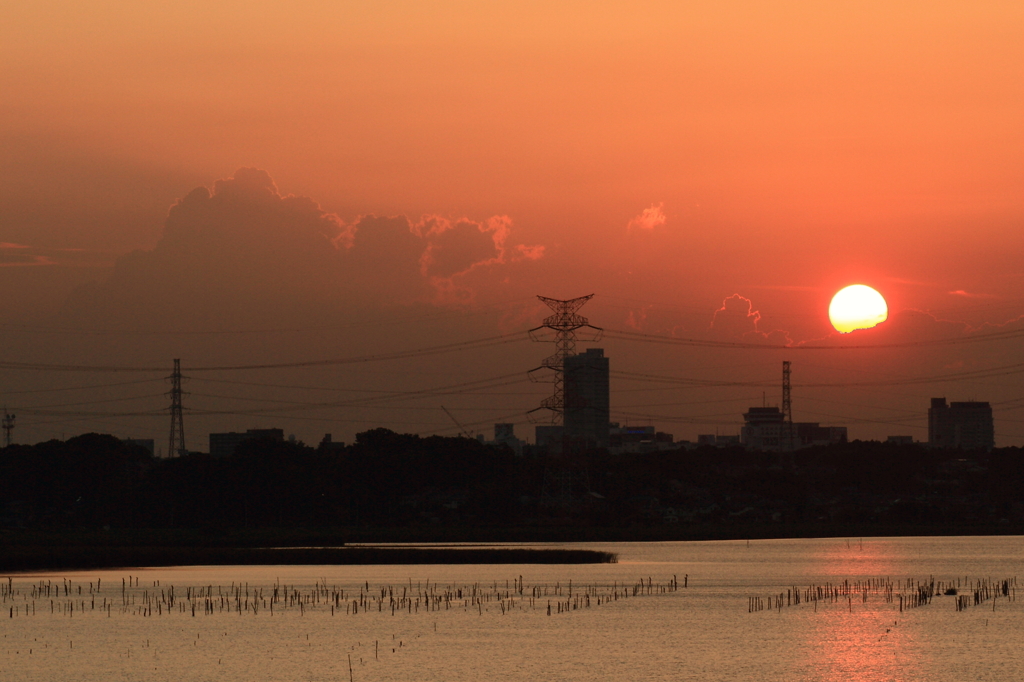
pixel 535 415
pixel 566 322
pixel 537 334
pixel 541 374
pixel 567 306
pixel 555 404
pixel 553 362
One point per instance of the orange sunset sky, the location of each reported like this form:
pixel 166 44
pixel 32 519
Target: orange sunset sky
pixel 247 184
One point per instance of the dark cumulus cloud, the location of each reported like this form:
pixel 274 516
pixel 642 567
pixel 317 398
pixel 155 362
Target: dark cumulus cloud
pixel 241 251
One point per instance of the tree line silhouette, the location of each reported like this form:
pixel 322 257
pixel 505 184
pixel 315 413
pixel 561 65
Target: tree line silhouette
pixel 422 485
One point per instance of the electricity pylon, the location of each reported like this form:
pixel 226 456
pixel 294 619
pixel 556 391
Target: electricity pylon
pixel 8 427
pixel 565 322
pixel 176 446
pixel 787 411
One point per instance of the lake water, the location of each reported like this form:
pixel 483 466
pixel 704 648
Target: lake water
pixel 702 613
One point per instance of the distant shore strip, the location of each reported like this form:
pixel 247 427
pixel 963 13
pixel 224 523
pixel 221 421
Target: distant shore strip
pixel 17 559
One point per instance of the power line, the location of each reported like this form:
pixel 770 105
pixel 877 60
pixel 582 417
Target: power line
pixel 698 419
pixel 987 373
pixel 83 388
pixel 481 309
pixel 432 350
pixel 626 335
pixel 372 402
pixel 31 408
pixel 483 422
pixel 385 397
pixel 747 399
pixel 89 413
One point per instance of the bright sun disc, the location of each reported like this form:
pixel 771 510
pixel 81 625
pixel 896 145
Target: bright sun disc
pixel 857 307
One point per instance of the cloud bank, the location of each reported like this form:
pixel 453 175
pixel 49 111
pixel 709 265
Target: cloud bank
pixel 241 247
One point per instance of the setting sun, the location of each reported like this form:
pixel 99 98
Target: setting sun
pixel 857 307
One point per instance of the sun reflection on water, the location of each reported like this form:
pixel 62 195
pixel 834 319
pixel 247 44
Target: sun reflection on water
pixel 857 633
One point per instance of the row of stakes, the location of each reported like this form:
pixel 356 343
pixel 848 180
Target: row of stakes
pixel 908 593
pixel 65 597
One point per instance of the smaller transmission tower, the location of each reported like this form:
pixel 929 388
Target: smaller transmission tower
pixel 8 427
pixel 787 409
pixel 565 322
pixel 176 446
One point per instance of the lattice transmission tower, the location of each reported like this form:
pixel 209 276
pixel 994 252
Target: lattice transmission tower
pixel 176 445
pixel 8 427
pixel 565 323
pixel 787 409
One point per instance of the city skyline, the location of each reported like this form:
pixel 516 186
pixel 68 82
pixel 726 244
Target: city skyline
pixel 360 205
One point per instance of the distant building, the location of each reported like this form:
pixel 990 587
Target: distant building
pixel 224 444
pixel 765 428
pixel 327 444
pixel 809 434
pixel 966 425
pixel 504 431
pixel 717 441
pixel 587 401
pixel 762 428
pixel 631 439
pixel 505 434
pixel 900 440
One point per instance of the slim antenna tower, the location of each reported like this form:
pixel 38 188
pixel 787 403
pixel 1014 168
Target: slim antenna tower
pixel 8 427
pixel 565 322
pixel 176 446
pixel 787 407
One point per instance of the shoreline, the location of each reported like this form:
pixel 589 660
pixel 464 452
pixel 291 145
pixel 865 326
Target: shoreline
pixel 38 559
pixel 89 549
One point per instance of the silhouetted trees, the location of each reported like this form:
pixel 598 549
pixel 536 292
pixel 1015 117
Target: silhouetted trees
pixel 87 480
pixel 391 480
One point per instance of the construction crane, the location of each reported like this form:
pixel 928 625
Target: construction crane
pixel 462 429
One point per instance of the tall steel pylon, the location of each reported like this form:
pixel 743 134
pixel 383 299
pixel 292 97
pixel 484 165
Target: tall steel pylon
pixel 8 427
pixel 176 445
pixel 787 409
pixel 565 322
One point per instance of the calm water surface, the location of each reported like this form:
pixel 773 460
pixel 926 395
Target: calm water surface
pixel 499 628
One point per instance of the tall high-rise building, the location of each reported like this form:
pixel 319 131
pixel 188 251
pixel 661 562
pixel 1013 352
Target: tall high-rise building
pixel 960 425
pixel 587 400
